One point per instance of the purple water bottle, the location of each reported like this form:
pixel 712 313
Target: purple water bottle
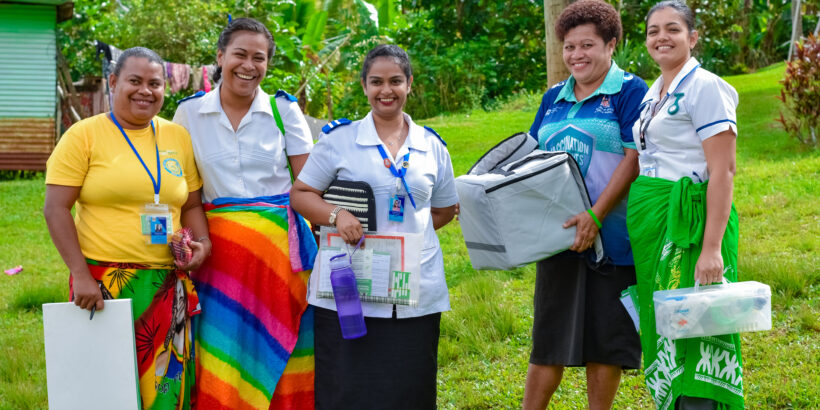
pixel 346 294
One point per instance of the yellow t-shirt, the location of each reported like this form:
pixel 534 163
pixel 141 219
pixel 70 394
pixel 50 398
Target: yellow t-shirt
pixel 94 155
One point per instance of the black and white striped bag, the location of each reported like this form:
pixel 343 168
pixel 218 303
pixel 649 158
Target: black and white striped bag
pixel 357 198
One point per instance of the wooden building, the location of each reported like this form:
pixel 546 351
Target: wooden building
pixel 28 81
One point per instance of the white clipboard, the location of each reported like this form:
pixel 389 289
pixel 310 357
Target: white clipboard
pixel 399 249
pixel 91 364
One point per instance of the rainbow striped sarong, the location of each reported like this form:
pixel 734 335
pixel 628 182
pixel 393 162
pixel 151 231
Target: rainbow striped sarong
pixel 254 338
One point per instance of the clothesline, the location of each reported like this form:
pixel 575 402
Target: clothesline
pixel 180 76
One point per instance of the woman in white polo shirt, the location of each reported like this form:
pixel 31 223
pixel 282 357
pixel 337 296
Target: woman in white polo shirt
pixel 681 221
pixel 239 149
pixel 394 365
pixel 243 157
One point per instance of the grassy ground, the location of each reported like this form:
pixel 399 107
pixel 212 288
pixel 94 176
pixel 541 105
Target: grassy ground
pixel 486 338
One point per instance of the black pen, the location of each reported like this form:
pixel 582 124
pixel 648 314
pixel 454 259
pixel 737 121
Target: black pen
pixel 94 308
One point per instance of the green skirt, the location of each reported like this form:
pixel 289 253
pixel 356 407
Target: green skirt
pixel 666 221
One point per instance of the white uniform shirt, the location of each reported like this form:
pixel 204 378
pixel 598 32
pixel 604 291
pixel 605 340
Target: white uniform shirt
pixel 250 162
pixel 697 105
pixel 350 153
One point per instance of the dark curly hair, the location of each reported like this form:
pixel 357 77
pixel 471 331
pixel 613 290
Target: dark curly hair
pixel 243 24
pixel 606 19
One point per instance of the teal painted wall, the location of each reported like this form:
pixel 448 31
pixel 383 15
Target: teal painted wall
pixel 28 67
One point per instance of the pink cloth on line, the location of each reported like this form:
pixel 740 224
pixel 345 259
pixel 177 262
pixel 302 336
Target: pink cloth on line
pixel 180 75
pixel 205 83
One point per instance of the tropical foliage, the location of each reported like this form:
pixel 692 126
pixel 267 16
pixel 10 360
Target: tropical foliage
pixel 466 54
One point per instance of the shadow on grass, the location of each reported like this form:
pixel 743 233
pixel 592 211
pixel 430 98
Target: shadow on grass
pixel 33 297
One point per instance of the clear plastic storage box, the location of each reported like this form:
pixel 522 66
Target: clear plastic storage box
pixel 713 310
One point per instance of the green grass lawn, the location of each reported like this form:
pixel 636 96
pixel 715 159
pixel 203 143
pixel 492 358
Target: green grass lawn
pixel 485 340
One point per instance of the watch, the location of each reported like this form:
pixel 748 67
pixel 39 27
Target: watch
pixel 333 214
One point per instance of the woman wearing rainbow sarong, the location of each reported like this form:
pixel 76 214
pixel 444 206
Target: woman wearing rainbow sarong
pixel 254 340
pixel 681 221
pixel 115 248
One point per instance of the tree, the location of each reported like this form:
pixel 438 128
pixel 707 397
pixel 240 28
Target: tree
pixel 556 70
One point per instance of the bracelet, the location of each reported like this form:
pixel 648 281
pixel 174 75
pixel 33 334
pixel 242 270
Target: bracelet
pixel 202 238
pixel 594 218
pixel 333 214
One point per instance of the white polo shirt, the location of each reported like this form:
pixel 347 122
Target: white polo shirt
pixel 350 152
pixel 697 105
pixel 250 162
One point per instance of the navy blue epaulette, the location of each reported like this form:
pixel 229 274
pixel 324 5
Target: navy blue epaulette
pixel 191 97
pixel 282 93
pixel 432 131
pixel 335 124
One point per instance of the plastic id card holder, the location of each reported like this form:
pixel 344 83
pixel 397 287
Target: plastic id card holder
pixel 156 223
pixel 396 208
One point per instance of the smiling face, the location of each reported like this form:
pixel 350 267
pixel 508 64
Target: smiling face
pixel 668 39
pixel 137 92
pixel 244 63
pixel 586 55
pixel 386 87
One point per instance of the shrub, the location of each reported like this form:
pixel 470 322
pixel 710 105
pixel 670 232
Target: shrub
pixel 801 93
pixel 632 56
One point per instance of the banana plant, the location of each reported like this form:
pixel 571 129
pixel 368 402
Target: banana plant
pixel 315 36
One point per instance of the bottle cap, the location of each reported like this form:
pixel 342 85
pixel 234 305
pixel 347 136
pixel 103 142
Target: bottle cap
pixel 339 261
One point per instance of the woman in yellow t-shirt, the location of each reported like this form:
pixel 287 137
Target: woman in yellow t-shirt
pixel 133 178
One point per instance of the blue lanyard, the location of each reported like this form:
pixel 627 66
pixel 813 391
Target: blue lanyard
pixel 155 182
pixel 396 173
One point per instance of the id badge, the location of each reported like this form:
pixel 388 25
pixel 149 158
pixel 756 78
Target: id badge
pixel 156 223
pixel 648 167
pixel 396 208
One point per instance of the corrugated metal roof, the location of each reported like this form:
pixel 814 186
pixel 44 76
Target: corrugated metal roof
pixel 26 143
pixel 28 74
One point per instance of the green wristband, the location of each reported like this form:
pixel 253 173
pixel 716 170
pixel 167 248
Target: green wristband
pixel 594 218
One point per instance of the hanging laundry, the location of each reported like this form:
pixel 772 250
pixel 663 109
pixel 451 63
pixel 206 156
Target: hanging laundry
pixel 206 82
pixel 211 71
pixel 196 78
pixel 103 48
pixel 180 76
pixel 115 53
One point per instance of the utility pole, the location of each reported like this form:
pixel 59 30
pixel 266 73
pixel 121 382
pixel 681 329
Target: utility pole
pixel 797 26
pixel 556 70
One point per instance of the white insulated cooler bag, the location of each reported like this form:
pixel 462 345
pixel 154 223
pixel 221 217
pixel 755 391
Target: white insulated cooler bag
pixel 514 202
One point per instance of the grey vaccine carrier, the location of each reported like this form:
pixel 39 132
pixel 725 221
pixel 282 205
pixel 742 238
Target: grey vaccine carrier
pixel 514 202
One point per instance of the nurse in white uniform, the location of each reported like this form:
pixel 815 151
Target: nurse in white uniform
pixel 239 148
pixel 243 157
pixel 394 365
pixel 681 221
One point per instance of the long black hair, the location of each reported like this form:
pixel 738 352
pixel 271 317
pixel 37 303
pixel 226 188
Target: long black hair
pixel 242 24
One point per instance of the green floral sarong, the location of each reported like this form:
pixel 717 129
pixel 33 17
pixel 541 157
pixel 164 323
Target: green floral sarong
pixel 666 221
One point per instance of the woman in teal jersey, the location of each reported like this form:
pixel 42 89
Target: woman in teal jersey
pixel 579 320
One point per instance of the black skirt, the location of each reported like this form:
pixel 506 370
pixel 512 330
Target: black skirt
pixel 392 367
pixel 579 317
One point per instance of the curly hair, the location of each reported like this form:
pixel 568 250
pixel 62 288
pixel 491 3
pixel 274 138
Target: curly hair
pixel 602 15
